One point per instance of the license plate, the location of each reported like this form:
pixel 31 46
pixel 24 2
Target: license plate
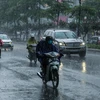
pixel 75 45
pixel 70 45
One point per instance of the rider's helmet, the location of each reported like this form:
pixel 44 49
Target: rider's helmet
pixel 49 40
pixel 32 36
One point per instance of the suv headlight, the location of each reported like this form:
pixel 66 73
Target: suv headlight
pixel 82 44
pixel 61 44
pixel 10 42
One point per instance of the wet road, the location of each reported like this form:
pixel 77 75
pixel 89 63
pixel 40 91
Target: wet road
pixel 79 78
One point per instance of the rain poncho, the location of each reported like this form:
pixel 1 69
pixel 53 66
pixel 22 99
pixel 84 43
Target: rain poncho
pixel 30 42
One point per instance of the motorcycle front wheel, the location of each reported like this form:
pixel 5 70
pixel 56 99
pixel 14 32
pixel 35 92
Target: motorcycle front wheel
pixel 35 60
pixel 55 78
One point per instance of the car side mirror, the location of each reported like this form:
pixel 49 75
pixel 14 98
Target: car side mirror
pixel 43 38
pixel 80 37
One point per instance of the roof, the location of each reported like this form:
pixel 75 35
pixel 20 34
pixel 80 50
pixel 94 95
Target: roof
pixel 95 36
pixel 3 35
pixel 58 30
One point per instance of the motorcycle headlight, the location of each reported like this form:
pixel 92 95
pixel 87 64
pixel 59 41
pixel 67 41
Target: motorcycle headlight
pixel 55 42
pixel 82 44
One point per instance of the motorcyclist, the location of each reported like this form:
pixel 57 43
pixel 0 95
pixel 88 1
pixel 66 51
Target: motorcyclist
pixel 1 43
pixel 45 46
pixel 30 42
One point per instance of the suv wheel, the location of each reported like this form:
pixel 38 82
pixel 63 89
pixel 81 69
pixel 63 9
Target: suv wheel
pixel 82 54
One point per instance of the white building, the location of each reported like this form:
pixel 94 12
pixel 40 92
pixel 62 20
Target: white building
pixel 75 2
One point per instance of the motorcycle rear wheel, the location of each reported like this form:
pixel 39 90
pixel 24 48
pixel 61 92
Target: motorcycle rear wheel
pixel 55 78
pixel 35 60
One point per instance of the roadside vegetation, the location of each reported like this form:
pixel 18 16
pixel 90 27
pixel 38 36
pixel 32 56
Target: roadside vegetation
pixel 93 46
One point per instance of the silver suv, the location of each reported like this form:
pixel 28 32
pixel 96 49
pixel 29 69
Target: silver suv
pixel 67 41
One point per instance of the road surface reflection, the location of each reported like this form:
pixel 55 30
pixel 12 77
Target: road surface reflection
pixel 84 67
pixel 48 93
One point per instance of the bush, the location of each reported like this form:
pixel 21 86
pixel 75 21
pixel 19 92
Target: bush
pixel 94 46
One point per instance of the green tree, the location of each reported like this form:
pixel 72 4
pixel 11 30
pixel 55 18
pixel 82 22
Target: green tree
pixel 55 8
pixel 95 4
pixel 16 13
pixel 86 16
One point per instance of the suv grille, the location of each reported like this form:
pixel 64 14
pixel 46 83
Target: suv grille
pixel 73 44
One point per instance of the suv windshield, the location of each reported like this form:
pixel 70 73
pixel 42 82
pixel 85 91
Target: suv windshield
pixel 64 35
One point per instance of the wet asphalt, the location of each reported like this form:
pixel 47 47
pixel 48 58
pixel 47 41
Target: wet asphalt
pixel 79 77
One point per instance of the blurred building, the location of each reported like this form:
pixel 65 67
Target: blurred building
pixel 74 2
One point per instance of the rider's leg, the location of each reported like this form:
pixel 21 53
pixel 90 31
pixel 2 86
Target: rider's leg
pixel 44 69
pixel 30 53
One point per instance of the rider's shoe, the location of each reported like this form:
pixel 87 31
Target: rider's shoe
pixel 40 74
pixel 28 56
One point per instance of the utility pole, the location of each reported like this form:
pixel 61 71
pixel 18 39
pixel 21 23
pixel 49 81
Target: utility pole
pixel 79 17
pixel 39 20
pixel 57 15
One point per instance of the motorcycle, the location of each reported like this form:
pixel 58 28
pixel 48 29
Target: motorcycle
pixel 32 54
pixel 52 70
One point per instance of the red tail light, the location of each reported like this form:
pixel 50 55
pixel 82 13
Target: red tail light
pixel 99 42
pixel 1 42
